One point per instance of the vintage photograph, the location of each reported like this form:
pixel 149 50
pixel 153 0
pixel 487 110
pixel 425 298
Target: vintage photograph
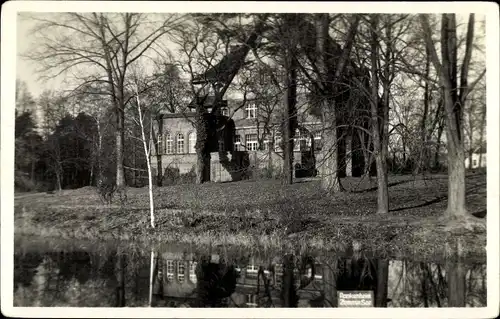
pixel 250 159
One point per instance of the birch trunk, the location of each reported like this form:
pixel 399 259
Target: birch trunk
pixel 148 162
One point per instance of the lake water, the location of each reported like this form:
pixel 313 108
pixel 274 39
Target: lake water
pixel 56 273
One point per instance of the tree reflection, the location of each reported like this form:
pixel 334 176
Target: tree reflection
pixel 183 278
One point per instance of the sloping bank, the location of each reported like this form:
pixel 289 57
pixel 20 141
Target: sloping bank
pixel 393 235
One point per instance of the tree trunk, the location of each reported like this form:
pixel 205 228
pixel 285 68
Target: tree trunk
pixel 348 155
pixel 120 139
pixel 456 179
pixel 147 153
pixel 403 142
pixel 329 153
pixel 366 141
pixel 134 159
pixel 91 177
pixel 59 181
pixel 438 144
pixel 470 158
pixel 202 147
pixel 423 133
pixel 290 121
pixel 481 137
pixel 378 143
pixel 471 133
pixel 99 150
pixel 453 103
pixel 159 162
pixel 270 151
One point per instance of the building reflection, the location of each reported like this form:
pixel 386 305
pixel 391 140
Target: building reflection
pixel 184 279
pixel 177 282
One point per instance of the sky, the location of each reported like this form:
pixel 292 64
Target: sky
pixel 25 70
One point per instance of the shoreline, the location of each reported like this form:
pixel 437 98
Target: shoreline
pixel 409 244
pixel 266 215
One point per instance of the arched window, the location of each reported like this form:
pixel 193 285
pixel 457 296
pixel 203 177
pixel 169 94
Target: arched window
pixel 159 145
pixel 192 271
pixel 192 142
pixel 170 270
pixel 168 143
pixel 181 271
pixel 180 143
pixel 237 142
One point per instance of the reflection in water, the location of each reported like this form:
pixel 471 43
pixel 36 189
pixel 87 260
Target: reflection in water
pixel 185 278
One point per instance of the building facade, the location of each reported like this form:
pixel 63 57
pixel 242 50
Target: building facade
pixel 254 142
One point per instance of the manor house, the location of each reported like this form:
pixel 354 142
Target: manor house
pixel 256 138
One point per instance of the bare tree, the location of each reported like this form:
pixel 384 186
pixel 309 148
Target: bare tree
pixel 147 151
pixel 212 66
pixel 482 126
pixel 378 135
pixel 455 97
pixel 98 48
pixel 289 47
pixel 422 160
pixel 327 70
pixel 24 100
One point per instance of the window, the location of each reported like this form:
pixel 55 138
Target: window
pixel 251 142
pixel 278 275
pixel 159 145
pixel 170 270
pixel 168 143
pixel 237 142
pixel 192 142
pixel 251 300
pixel 317 135
pixel 251 110
pixel 296 144
pixel 252 268
pixel 180 143
pixel 222 146
pixel 181 270
pixel 277 142
pixel 225 111
pixel 237 139
pixel 192 271
pixel 474 163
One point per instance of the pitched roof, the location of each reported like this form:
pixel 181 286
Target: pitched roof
pixel 223 70
pixel 208 101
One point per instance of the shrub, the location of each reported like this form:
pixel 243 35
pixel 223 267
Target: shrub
pixel 268 172
pixel 189 177
pixel 23 183
pixel 170 176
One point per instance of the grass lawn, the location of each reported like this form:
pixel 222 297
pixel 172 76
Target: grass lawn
pixel 267 214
